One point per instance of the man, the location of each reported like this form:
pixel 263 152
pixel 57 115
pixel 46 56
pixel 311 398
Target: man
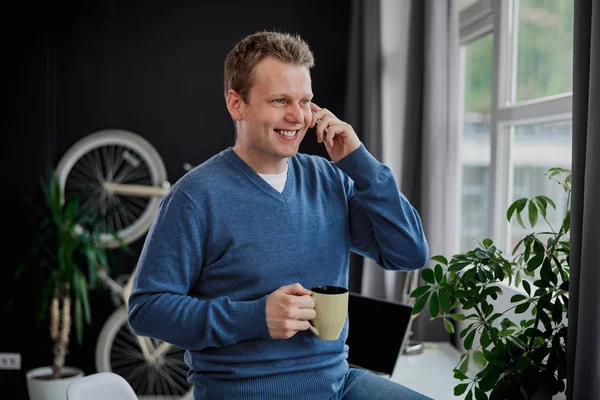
pixel 226 266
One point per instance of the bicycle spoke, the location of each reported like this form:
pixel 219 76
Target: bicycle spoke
pixel 97 165
pixel 181 382
pixel 164 378
pixel 88 164
pixel 139 175
pixel 107 162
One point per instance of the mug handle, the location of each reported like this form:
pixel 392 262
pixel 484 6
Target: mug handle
pixel 313 329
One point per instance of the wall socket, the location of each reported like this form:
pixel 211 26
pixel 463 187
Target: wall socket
pixel 10 361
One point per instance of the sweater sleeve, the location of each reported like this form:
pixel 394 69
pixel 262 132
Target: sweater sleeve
pixel 169 265
pixel 384 226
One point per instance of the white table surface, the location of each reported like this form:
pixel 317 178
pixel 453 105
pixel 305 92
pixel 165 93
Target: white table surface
pixel 431 372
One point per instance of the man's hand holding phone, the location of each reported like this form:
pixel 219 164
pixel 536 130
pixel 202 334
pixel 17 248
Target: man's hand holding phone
pixel 338 136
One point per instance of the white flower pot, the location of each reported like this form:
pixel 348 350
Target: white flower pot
pixel 50 389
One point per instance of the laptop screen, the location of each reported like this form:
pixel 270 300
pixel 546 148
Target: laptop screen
pixel 377 332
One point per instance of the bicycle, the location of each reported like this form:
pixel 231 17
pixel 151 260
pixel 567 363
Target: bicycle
pixel 120 177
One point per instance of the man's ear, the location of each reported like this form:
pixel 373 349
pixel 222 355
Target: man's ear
pixel 235 105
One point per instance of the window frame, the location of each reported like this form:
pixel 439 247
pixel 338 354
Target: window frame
pixel 500 19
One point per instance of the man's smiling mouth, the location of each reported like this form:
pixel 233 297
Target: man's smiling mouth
pixel 286 133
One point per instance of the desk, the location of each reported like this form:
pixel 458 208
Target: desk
pixel 431 372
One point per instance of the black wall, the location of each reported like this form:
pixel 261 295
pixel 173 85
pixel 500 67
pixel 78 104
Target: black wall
pixel 151 67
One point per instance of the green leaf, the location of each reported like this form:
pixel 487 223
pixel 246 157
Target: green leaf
pixel 522 362
pixel 444 301
pixel 535 262
pixel 466 330
pixel 557 311
pixel 520 221
pixel 440 259
pixel 460 389
pixel 479 358
pixel 505 324
pixel 464 366
pixel 439 272
pixel 434 305
pixel 518 278
pixel 518 206
pixel 517 297
pixel 548 200
pixel 469 276
pixel 545 319
pixel 455 267
pixel 541 204
pixel 480 394
pixel 78 321
pixel 458 374
pixel 527 287
pixel 419 304
pixel 448 326
pixel 80 285
pixel 546 272
pixel 499 272
pixel 518 245
pixel 469 340
pixel 533 214
pixel 484 339
pixel 427 275
pixel 447 288
pixel 457 317
pixel 487 242
pixel 566 225
pixel 489 379
pixel 418 292
pixel 521 308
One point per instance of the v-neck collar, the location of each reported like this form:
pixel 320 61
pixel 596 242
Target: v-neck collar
pixel 260 182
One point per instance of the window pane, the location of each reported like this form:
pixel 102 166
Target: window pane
pixel 545 48
pixel 475 149
pixel 464 4
pixel 536 149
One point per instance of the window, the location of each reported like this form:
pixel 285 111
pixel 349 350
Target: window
pixel 477 58
pixel 516 69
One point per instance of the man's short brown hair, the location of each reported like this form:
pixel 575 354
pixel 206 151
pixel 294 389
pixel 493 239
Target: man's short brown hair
pixel 241 61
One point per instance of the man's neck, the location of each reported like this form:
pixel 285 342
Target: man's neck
pixel 259 163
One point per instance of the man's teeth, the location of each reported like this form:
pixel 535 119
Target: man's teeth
pixel 287 133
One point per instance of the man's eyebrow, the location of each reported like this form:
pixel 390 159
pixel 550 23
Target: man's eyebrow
pixel 285 95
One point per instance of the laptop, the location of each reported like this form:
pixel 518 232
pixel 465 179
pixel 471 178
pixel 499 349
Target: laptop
pixel 378 330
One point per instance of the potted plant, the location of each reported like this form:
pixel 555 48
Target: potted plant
pixel 515 358
pixel 67 248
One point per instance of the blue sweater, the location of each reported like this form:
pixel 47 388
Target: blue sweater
pixel 224 239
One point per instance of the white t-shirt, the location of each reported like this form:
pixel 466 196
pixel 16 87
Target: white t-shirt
pixel 276 180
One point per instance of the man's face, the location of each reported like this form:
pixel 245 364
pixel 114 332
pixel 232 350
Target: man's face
pixel 277 115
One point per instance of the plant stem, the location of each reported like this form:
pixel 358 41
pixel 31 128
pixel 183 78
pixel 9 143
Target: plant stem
pixel 61 343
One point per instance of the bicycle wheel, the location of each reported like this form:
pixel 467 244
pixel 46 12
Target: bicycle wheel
pixel 113 156
pixel 118 350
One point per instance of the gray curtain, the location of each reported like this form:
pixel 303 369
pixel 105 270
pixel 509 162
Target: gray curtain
pixel 583 355
pixel 420 140
pixel 434 185
pixel 363 96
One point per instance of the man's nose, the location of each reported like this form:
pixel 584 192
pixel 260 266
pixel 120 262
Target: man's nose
pixel 294 114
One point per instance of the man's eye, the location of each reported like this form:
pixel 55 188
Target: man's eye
pixel 305 102
pixel 278 101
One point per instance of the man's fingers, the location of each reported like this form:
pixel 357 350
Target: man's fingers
pixel 305 301
pixel 295 289
pixel 323 127
pixel 306 314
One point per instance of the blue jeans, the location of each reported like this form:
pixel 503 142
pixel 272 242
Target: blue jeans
pixel 365 385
